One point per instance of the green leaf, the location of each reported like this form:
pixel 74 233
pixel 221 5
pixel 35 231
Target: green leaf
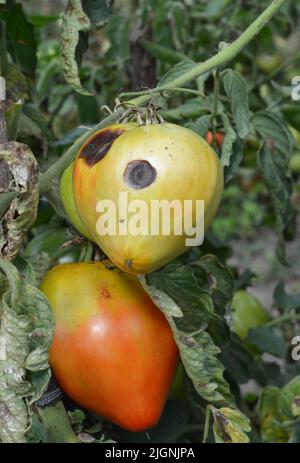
pixel 200 126
pixel 74 21
pixel 34 113
pixel 279 411
pixel 236 158
pixel 26 329
pixel 228 142
pixel 284 301
pixel 279 186
pixel 41 21
pixel 288 402
pixel 22 38
pixel 220 280
pixel 98 11
pixel 271 429
pixel 274 133
pixel 164 54
pixel 237 360
pixel 48 241
pixel 177 71
pixel 236 90
pixel 230 426
pixel 266 339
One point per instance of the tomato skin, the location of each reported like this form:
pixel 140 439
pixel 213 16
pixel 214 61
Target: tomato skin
pixel 218 139
pixel 113 351
pixel 247 312
pixel 186 169
pixel 67 196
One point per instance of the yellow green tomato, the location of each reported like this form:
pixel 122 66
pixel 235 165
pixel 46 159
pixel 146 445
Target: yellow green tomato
pixel 247 312
pixel 67 197
pixel 294 163
pixel 296 134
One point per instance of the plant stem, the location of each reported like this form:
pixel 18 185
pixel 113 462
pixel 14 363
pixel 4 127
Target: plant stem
pixel 226 54
pixel 57 424
pixel 215 103
pixel 283 319
pixel 206 424
pixel 155 91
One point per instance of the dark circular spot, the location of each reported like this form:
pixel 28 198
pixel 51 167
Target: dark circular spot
pixel 139 174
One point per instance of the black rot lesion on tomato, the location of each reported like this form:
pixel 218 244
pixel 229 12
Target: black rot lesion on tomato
pixel 98 145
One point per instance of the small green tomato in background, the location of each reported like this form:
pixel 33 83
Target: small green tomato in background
pixel 267 62
pixel 247 312
pixel 68 200
pixel 294 163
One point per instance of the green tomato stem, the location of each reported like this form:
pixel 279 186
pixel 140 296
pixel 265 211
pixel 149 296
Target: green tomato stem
pixel 215 103
pixel 283 319
pixel 57 424
pixel 155 91
pixel 207 423
pixel 226 54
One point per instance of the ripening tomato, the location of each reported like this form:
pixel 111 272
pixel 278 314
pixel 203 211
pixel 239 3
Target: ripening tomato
pixel 113 351
pixel 218 139
pixel 247 312
pixel 162 162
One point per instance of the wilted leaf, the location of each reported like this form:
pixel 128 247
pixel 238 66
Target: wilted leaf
pixel 271 428
pixel 235 159
pixel 26 329
pixel 74 21
pixel 271 164
pixel 175 289
pixel 21 179
pixel 236 90
pixel 230 426
pixel 80 17
pixel 228 142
